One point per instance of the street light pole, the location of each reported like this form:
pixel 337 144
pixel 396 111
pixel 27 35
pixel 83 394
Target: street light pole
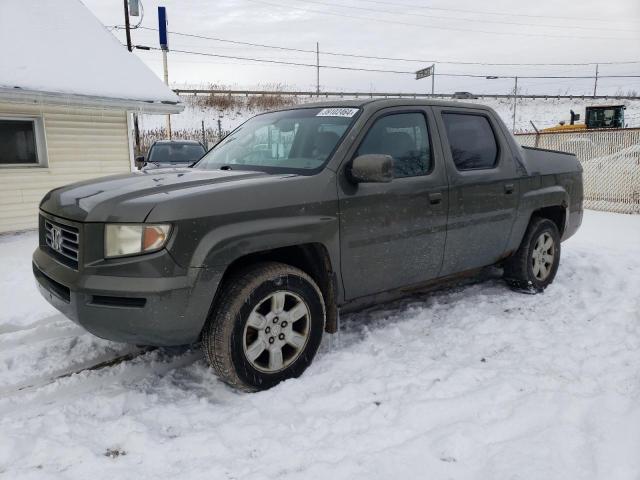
pixel 515 96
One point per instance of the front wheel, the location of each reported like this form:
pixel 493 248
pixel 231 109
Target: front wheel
pixel 533 267
pixel 266 326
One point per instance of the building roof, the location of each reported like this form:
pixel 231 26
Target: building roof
pixel 58 51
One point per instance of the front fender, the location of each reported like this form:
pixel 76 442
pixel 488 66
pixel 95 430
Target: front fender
pixel 224 244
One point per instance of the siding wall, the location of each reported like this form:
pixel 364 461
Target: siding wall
pixel 81 144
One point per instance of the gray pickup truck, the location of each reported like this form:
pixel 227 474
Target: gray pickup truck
pixel 297 215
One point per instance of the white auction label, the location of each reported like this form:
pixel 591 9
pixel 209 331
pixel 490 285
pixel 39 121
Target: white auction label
pixel 337 112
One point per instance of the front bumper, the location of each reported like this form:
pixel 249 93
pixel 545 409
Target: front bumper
pixel 139 309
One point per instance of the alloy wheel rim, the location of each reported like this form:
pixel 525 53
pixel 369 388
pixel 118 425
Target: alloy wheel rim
pixel 276 331
pixel 543 256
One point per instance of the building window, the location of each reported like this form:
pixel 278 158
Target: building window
pixel 21 141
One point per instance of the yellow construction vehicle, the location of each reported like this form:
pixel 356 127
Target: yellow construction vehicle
pixel 600 116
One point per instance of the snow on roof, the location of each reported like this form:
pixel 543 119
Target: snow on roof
pixel 60 47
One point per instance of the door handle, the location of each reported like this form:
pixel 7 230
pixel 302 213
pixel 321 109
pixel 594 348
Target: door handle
pixel 508 188
pixel 435 198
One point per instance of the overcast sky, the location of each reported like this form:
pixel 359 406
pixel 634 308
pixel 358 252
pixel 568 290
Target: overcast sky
pixel 501 31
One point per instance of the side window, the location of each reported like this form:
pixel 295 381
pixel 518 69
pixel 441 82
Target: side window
pixel 405 137
pixel 472 142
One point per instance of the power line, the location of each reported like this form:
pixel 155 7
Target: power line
pixel 377 57
pixel 353 7
pixel 404 72
pixel 387 21
pixel 282 62
pixel 237 42
pixel 485 12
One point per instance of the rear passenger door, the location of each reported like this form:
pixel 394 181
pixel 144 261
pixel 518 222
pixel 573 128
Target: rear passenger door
pixel 483 190
pixel 392 234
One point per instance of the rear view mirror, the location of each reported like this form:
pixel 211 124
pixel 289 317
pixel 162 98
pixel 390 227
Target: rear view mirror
pixel 372 168
pixel 286 125
pixel 139 162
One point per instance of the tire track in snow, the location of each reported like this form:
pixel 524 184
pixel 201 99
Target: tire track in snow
pixel 75 368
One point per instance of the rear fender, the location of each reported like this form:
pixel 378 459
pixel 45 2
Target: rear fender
pixel 551 196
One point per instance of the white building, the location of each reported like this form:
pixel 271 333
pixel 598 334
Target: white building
pixel 67 92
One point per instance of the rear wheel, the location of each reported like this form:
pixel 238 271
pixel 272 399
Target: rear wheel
pixel 266 326
pixel 533 267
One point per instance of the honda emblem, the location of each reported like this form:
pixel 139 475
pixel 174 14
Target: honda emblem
pixel 56 239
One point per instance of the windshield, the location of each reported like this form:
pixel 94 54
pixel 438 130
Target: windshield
pixel 292 140
pixel 175 153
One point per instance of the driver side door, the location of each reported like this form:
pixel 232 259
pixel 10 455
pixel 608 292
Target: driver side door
pixel 392 235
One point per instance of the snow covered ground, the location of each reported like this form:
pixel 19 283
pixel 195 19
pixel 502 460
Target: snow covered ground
pixel 542 112
pixel 473 382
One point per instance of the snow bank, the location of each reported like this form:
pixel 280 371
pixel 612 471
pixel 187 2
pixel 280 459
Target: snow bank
pixel 475 382
pixel 542 112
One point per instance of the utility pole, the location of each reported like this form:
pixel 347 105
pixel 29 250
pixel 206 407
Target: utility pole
pixel 204 137
pixel 164 46
pixel 515 104
pixel 318 69
pixel 127 25
pixel 219 129
pixel 433 79
pixel 595 85
pixel 166 82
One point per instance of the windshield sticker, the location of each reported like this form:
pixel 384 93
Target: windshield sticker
pixel 337 112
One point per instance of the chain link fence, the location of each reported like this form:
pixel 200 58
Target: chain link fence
pixel 611 163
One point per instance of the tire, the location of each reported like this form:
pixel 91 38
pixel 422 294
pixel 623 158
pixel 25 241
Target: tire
pixel 260 310
pixel 535 264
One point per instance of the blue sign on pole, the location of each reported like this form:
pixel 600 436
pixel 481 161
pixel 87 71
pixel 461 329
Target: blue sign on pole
pixel 162 28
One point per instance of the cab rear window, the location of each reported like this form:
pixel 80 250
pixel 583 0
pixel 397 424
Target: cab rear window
pixel 471 140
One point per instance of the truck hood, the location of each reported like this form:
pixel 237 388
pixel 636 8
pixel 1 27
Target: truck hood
pixel 125 198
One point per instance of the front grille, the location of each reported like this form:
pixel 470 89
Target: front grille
pixel 63 242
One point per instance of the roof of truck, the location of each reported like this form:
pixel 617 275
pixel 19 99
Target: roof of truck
pixel 176 142
pixel 385 102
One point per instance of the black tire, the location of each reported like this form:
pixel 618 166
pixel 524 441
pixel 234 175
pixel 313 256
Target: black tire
pixel 519 269
pixel 226 330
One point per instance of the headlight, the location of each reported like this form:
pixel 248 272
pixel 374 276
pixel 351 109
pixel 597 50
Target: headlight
pixel 132 239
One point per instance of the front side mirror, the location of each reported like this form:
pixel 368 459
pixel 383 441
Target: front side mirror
pixel 372 168
pixel 139 162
